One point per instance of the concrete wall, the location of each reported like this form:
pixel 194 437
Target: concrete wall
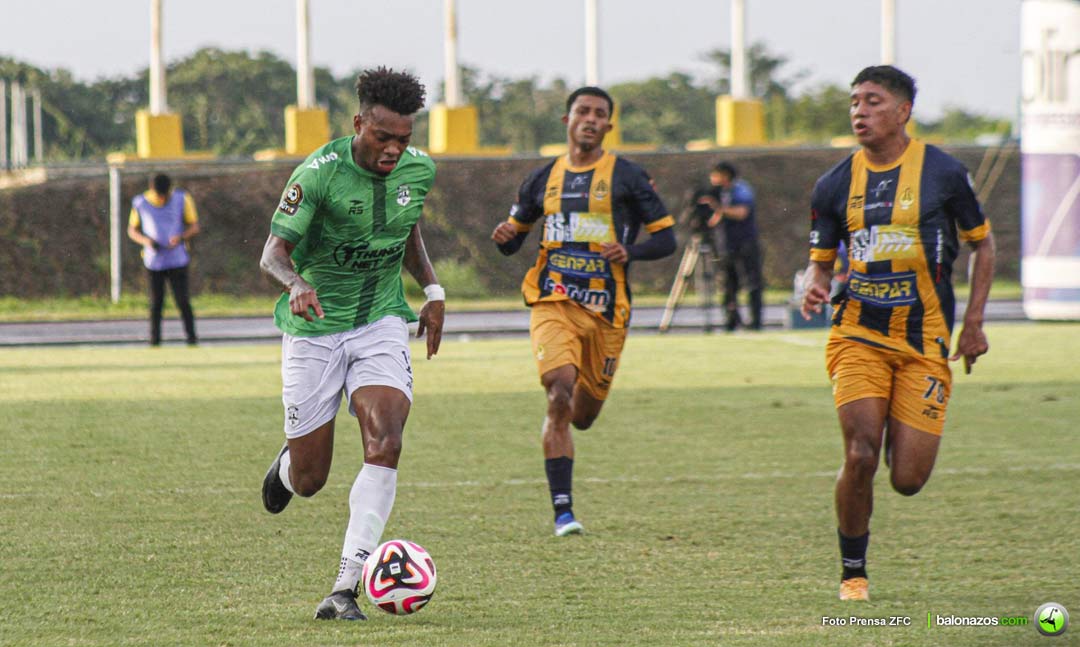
pixel 56 240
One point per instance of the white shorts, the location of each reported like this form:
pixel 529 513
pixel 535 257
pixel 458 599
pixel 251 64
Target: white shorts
pixel 315 371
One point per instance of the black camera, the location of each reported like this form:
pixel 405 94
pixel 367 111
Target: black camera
pixel 701 213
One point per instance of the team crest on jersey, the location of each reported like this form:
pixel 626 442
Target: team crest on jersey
pixel 907 198
pixel 403 195
pixel 600 191
pixel 291 200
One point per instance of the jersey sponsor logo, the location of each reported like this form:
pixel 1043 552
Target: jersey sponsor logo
pixel 358 257
pixel 322 159
pixel 403 195
pixel 578 264
pixel 578 182
pixel 595 300
pixel 885 243
pixel 886 290
pixel 881 187
pixel 578 227
pixel 294 195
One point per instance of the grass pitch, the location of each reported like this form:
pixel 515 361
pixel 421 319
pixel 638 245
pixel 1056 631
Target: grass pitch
pixel 130 510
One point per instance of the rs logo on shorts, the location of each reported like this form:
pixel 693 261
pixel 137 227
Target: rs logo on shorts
pixel 887 290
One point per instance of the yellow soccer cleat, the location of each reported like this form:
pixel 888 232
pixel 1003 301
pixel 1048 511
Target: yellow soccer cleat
pixel 855 588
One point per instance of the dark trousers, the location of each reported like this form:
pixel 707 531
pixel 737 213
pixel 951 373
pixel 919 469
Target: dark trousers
pixel 178 280
pixel 743 265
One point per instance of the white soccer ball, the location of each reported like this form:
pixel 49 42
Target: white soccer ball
pixel 399 577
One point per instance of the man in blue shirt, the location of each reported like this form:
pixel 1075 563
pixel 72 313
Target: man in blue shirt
pixel 732 202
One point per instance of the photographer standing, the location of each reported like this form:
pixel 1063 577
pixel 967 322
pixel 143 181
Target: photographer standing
pixel 732 203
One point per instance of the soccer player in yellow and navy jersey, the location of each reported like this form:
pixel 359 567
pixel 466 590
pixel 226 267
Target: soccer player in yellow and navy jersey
pixel 901 207
pixel 592 205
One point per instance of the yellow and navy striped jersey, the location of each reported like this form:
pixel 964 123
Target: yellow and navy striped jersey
pixel 582 208
pixel 902 224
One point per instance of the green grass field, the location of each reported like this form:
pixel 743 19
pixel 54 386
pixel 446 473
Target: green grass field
pixel 130 510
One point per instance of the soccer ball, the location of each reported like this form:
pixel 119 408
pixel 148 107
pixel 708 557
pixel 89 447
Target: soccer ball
pixel 399 577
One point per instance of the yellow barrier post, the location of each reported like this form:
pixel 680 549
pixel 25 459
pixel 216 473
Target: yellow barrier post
pixel 453 131
pixel 739 122
pixel 158 136
pixel 305 130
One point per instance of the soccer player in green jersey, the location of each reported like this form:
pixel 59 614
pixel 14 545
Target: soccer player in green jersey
pixel 346 224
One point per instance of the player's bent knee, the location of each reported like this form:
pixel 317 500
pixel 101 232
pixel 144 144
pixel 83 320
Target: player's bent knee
pixel 307 485
pixel 583 422
pixel 908 485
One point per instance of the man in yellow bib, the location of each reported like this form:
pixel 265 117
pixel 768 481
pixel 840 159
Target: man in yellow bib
pixel 900 207
pixel 592 205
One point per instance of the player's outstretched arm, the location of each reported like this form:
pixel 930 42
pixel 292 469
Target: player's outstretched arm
pixel 277 264
pixel 434 311
pixel 972 341
pixel 816 287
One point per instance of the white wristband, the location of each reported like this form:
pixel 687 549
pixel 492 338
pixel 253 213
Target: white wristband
pixel 434 292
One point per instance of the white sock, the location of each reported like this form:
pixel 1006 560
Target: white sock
pixel 370 502
pixel 283 471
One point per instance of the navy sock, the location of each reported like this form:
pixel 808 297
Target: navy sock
pixel 560 472
pixel 853 554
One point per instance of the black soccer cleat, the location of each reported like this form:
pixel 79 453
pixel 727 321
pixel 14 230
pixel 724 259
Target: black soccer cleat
pixel 339 605
pixel 275 496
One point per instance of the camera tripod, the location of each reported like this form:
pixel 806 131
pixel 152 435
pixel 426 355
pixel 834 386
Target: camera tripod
pixel 697 249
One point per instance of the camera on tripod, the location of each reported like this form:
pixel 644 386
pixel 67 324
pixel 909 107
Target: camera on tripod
pixel 699 214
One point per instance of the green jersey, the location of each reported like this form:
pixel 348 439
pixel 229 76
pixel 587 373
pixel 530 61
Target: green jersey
pixel 349 226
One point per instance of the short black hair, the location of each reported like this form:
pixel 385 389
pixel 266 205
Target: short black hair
pixel 592 91
pixel 726 167
pixel 892 79
pixel 161 183
pixel 399 91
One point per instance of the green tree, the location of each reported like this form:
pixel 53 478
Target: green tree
pixel 520 113
pixel 666 111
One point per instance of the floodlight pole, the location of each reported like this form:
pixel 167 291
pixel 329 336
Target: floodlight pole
pixel 115 234
pixel 39 142
pixel 3 126
pixel 305 77
pixel 592 40
pixel 18 126
pixel 454 97
pixel 888 32
pixel 739 85
pixel 158 102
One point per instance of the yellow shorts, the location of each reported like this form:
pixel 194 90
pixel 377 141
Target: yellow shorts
pixel 563 332
pixel 917 388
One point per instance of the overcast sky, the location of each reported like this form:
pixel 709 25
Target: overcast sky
pixel 962 53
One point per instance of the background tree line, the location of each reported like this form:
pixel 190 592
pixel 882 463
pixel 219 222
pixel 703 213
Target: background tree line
pixel 233 103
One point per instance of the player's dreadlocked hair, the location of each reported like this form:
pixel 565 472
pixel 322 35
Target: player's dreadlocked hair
pixel 399 91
